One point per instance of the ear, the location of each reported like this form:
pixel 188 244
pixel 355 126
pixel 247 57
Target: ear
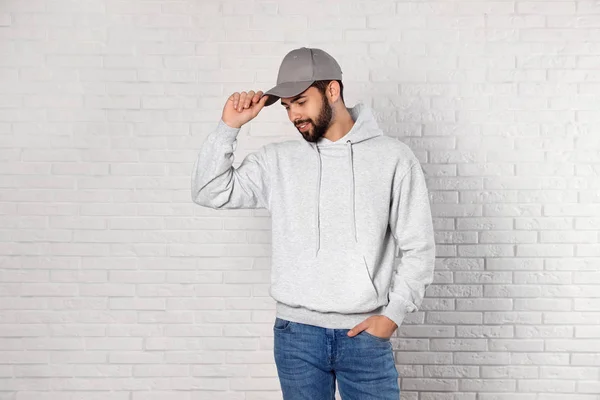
pixel 333 91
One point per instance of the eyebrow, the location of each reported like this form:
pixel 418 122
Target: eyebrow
pixel 295 99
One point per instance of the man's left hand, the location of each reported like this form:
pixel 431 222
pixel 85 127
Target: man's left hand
pixel 376 325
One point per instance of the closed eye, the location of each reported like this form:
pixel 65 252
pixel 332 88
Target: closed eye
pixel 300 103
pixel 295 100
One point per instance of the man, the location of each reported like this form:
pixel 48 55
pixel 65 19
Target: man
pixel 341 200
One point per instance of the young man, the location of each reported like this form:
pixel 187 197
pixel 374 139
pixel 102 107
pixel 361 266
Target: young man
pixel 341 200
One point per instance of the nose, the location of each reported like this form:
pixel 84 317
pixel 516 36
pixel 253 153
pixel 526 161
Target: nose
pixel 294 116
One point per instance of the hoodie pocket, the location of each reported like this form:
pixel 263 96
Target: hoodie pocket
pixel 336 280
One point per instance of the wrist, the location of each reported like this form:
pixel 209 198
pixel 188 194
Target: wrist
pixel 394 324
pixel 231 124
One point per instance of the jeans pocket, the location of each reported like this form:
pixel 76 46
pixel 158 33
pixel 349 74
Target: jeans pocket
pixel 281 324
pixel 376 337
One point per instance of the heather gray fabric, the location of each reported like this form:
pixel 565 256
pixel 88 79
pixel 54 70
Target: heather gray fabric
pixel 338 211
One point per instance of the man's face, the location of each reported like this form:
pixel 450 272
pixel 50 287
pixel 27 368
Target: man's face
pixel 310 112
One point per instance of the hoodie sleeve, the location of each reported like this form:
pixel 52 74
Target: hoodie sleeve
pixel 412 227
pixel 217 184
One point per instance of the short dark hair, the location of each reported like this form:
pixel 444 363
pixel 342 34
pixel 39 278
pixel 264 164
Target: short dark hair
pixel 322 86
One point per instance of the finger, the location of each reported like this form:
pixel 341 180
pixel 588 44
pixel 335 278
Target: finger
pixel 242 100
pixel 235 97
pixel 249 99
pixel 263 100
pixel 261 103
pixel 260 94
pixel 256 97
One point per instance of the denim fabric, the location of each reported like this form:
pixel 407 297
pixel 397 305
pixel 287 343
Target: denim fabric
pixel 310 359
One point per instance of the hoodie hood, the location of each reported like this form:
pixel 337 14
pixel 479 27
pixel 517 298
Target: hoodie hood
pixel 365 127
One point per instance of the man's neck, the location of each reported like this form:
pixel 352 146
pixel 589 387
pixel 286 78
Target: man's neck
pixel 340 126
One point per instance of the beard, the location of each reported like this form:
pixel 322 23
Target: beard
pixel 320 126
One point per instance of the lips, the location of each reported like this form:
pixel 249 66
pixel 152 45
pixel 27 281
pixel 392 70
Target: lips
pixel 303 127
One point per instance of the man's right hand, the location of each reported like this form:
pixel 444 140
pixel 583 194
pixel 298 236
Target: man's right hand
pixel 243 107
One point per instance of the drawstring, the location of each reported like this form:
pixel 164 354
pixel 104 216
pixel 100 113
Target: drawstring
pixel 318 222
pixel 318 195
pixel 350 159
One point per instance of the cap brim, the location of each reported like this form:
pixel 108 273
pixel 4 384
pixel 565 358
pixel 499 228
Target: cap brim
pixel 286 89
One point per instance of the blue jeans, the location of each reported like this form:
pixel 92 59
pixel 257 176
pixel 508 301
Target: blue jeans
pixel 310 358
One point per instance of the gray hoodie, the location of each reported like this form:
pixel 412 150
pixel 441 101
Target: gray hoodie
pixel 338 210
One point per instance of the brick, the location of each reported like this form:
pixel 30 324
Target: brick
pixel 113 285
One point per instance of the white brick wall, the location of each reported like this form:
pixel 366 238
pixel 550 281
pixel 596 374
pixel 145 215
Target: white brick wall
pixel 113 285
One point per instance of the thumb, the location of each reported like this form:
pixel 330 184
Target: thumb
pixel 259 106
pixel 263 100
pixel 357 329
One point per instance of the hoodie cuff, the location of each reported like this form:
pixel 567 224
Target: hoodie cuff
pixel 225 132
pixel 395 310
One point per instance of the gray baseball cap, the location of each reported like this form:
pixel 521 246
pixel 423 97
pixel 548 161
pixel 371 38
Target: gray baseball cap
pixel 299 69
